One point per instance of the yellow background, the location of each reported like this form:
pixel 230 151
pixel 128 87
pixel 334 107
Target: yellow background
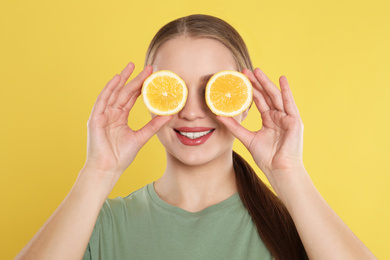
pixel 56 56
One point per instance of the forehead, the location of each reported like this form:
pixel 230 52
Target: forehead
pixel 194 57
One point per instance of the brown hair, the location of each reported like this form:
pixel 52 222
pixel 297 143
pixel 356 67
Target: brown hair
pixel 274 224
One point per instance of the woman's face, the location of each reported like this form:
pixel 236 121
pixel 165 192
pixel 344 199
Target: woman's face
pixel 194 136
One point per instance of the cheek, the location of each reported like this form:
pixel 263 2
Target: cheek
pixel 163 137
pixel 167 136
pixel 226 132
pixel 226 135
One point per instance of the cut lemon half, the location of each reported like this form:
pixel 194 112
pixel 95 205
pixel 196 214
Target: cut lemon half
pixel 164 93
pixel 229 93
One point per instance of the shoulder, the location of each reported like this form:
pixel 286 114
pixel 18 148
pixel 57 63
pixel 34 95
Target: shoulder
pixel 118 208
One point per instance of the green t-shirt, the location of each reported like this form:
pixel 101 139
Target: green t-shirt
pixel 143 226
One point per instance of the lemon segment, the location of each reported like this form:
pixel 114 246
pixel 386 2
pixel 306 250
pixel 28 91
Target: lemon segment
pixel 164 93
pixel 229 93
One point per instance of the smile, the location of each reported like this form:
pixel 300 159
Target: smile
pixel 194 135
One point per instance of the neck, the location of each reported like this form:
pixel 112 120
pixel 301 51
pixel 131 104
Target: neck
pixel 196 187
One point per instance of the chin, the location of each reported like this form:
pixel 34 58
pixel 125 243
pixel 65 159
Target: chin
pixel 190 159
pixel 197 158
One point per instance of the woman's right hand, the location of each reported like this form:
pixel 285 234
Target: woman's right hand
pixel 112 145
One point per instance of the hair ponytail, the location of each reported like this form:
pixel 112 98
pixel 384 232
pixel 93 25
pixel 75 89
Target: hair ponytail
pixel 274 224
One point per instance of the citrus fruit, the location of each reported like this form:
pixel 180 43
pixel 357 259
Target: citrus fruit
pixel 229 93
pixel 164 93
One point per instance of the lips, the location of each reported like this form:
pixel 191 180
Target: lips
pixel 193 135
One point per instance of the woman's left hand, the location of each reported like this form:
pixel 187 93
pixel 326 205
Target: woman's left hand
pixel 277 146
pixel 277 150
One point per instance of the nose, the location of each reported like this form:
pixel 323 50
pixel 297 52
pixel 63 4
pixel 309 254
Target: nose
pixel 195 106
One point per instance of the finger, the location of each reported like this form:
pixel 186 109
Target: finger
pixel 288 99
pixel 124 116
pixel 125 74
pixel 151 128
pixel 260 102
pixel 133 86
pixel 132 101
pixel 102 99
pixel 240 132
pixel 270 89
pixel 264 101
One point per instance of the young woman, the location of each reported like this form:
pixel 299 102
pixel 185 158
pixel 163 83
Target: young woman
pixel 209 203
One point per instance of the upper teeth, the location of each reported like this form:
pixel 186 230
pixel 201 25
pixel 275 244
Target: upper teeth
pixel 194 135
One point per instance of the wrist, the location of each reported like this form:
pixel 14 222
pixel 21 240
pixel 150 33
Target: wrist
pixel 287 183
pixel 104 172
pixel 100 180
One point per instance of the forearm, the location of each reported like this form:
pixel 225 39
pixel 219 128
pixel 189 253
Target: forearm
pixel 323 233
pixel 67 232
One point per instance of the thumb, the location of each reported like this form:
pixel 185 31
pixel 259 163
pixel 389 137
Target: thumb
pixel 151 128
pixel 240 132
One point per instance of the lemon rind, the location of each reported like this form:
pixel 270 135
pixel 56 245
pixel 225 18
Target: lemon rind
pixel 245 106
pixel 153 109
